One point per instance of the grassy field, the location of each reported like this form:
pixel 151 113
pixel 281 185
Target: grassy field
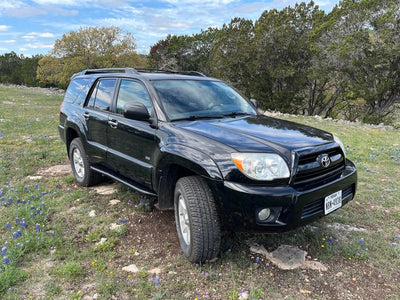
pixel 60 241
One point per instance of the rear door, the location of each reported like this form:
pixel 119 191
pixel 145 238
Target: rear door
pixel 131 143
pixel 96 112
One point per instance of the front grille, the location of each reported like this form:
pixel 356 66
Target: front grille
pixel 310 170
pixel 317 206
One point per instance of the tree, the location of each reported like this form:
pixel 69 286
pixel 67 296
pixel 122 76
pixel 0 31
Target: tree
pixel 284 54
pixel 184 52
pixel 87 48
pixel 366 49
pixel 232 55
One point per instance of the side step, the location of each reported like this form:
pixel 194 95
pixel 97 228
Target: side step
pixel 127 182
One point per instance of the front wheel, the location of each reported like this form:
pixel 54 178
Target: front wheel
pixel 196 218
pixel 80 165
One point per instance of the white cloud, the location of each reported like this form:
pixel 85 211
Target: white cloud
pixel 36 35
pixel 4 27
pixel 8 41
pixel 38 46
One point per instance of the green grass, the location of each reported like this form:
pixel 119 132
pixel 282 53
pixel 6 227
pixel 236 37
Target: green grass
pixel 63 259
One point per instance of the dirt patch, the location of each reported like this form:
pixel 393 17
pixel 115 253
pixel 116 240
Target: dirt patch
pixel 55 171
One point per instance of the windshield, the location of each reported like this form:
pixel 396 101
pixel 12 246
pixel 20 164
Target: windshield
pixel 191 99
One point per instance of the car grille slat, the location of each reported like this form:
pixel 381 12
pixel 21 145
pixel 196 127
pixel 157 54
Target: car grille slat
pixel 309 169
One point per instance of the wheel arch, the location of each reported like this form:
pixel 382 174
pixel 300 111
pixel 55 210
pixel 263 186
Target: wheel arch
pixel 179 161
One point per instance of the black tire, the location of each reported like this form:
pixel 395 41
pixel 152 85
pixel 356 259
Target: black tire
pixel 80 165
pixel 198 228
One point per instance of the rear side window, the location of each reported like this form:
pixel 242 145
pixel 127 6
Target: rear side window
pixel 77 90
pixel 102 94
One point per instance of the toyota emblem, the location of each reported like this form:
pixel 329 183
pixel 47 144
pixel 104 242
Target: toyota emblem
pixel 324 160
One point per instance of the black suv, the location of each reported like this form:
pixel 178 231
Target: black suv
pixel 202 149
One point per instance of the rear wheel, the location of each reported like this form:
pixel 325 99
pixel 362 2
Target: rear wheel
pixel 196 218
pixel 80 165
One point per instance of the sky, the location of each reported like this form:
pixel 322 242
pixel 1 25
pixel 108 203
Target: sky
pixel 32 27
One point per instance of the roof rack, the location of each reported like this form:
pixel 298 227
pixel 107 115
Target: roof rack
pixel 109 70
pixel 136 71
pixel 163 70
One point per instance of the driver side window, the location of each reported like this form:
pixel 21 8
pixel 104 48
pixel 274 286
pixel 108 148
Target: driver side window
pixel 132 92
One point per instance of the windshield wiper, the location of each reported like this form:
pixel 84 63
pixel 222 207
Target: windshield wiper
pixel 194 117
pixel 235 113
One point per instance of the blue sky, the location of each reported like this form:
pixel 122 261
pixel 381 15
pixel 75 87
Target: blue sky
pixel 31 27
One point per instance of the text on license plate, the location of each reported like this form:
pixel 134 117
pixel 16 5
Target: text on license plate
pixel 333 202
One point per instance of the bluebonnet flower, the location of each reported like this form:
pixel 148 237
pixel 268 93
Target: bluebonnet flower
pixel 25 188
pixel 398 238
pixel 18 200
pixel 37 227
pixel 38 211
pixel 393 245
pixel 157 280
pixel 6 261
pixel 257 259
pixel 32 215
pixel 23 202
pixel 10 200
pixel 36 186
pixel 125 220
pixel 32 197
pixel 32 207
pixel 19 245
pixel 3 251
pixel 151 279
pixel 17 220
pixel 57 186
pixel 52 234
pixel 361 241
pixel 8 225
pixel 42 204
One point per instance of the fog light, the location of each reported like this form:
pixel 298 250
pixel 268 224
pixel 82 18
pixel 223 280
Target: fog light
pixel 264 214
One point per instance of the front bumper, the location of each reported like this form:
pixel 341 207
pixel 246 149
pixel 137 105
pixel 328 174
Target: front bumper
pixel 296 206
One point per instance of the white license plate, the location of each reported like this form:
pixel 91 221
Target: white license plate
pixel 333 202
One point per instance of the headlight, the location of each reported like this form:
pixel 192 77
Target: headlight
pixel 261 166
pixel 338 141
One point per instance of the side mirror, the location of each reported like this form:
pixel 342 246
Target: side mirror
pixel 136 111
pixel 254 102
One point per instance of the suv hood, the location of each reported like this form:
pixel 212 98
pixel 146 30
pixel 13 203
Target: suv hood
pixel 258 133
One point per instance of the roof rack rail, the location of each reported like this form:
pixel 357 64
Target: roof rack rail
pixel 109 70
pixel 163 70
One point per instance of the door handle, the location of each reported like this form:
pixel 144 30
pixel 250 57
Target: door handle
pixel 113 123
pixel 86 115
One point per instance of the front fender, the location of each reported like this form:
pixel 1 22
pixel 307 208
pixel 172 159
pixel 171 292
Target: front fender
pixel 189 158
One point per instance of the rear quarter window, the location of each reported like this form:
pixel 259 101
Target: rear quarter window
pixel 77 90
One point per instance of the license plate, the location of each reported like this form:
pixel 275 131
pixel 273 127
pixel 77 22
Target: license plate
pixel 333 202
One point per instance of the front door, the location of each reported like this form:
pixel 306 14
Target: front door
pixel 131 143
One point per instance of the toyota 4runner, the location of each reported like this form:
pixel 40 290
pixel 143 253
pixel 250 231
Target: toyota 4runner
pixel 203 150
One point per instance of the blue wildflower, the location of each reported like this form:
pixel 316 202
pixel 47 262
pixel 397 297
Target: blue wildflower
pixel 32 197
pixel 23 202
pixel 52 234
pixel 32 215
pixel 37 227
pixel 18 200
pixel 361 241
pixel 19 245
pixel 16 220
pixel 257 259
pixel 393 245
pixel 38 211
pixel 3 251
pixel 398 238
pixel 36 186
pixel 157 280
pixel 6 261
pixel 8 225
pixel 25 188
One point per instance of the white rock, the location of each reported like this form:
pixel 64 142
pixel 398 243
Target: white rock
pixel 92 213
pixel 114 202
pixel 131 268
pixel 102 241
